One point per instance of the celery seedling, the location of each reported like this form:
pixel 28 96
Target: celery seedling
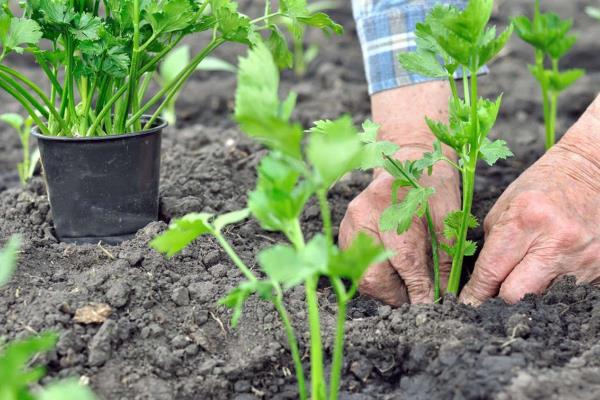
pixel 448 41
pixel 99 56
pixel 287 178
pixel 549 35
pixel 26 168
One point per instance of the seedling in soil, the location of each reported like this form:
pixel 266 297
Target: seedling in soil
pixel 452 40
pixel 304 54
pixel 172 66
pixel 16 358
pixel 98 57
pixel 549 36
pixel 26 168
pixel 287 178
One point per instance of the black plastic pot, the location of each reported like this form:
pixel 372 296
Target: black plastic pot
pixel 102 188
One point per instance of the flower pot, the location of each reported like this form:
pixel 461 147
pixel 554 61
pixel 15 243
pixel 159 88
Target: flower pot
pixel 102 188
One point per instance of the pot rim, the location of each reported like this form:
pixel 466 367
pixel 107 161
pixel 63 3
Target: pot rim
pixel 160 124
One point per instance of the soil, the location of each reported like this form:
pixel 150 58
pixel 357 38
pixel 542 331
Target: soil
pixel 167 338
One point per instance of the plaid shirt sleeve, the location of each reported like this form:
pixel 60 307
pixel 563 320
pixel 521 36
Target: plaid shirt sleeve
pixel 386 29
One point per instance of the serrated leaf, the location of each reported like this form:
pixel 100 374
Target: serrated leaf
pixel 352 262
pixel 8 259
pixel 431 158
pixel 470 248
pixel 258 109
pixel 453 221
pixel 234 26
pixel 86 27
pixel 333 150
pixel 172 15
pixel 290 267
pixel 15 32
pixel 279 48
pixel 491 152
pixel 236 298
pixel 491 49
pixel 373 152
pixel 400 216
pixel 181 233
pixel 230 218
pixel 560 81
pixel 322 21
pixel 442 132
pixel 424 63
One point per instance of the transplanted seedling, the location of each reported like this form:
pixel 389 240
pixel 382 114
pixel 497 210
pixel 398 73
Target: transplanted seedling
pixel 26 168
pixel 16 372
pixel 449 41
pixel 549 35
pixel 287 178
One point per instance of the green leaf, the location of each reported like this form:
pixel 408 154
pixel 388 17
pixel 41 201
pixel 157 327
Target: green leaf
pixel 452 224
pixel 15 374
pixel 487 113
pixel 491 152
pixel 560 81
pixel 431 158
pixel 469 249
pixel 181 233
pixel 334 149
pixel 322 21
pixel 279 48
pixel 173 64
pixel 400 216
pixel 560 47
pixel 258 109
pixel 230 218
pixel 442 132
pixel 169 16
pixel 234 26
pixel 279 197
pixel 14 120
pixel 593 12
pixel 290 267
pixel 15 32
pixel 353 262
pixel 491 49
pixel 238 296
pixel 372 154
pixel 424 63
pixel 8 259
pixel 86 27
pixel 66 390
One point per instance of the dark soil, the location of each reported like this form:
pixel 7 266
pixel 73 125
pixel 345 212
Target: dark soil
pixel 167 338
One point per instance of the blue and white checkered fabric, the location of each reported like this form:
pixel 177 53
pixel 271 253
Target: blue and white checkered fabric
pixel 386 29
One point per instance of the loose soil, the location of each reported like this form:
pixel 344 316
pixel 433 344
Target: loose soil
pixel 167 338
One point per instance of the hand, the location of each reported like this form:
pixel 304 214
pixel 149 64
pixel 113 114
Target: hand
pixel 407 276
pixel 547 223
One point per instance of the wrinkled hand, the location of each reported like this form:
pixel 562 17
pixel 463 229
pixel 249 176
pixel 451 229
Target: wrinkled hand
pixel 547 223
pixel 407 276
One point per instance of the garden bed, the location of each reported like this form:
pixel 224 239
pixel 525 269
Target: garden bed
pixel 167 339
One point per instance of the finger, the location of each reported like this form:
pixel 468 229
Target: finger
pixel 505 247
pixel 411 261
pixel 383 283
pixel 532 275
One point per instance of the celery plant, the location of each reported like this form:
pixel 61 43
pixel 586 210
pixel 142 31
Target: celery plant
pixel 450 41
pixel 549 36
pixel 98 56
pixel 287 178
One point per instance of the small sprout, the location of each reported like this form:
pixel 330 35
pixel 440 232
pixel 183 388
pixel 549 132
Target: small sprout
pixel 25 168
pixel 549 35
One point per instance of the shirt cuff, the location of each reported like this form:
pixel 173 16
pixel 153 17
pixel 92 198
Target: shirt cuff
pixel 386 29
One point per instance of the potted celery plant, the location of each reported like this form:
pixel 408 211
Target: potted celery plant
pixel 98 130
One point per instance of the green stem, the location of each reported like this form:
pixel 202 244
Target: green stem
pixel 325 215
pixel 234 257
pixel 318 389
pixel 172 89
pixel 34 103
pixel 453 86
pixel 265 18
pixel 338 345
pixel 293 342
pixel 27 107
pixel 435 255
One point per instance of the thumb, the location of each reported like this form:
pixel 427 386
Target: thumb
pixel 505 247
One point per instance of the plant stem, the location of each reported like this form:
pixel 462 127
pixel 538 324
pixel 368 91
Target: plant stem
pixel 468 177
pixel 17 96
pixel 435 255
pixel 338 346
pixel 293 342
pixel 318 389
pixel 173 87
pixel 234 257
